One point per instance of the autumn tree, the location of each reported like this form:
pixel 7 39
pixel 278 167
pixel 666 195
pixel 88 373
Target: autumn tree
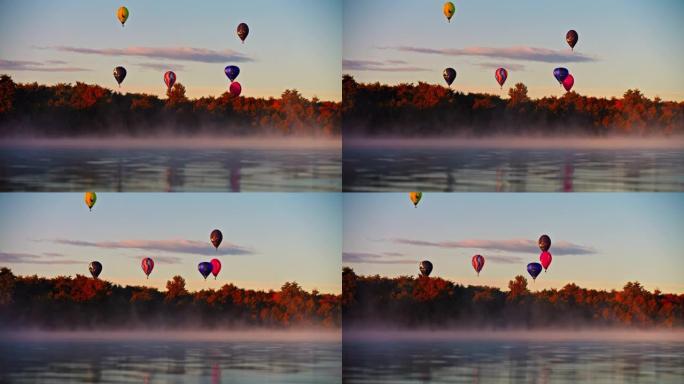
pixel 517 288
pixel 518 94
pixel 175 289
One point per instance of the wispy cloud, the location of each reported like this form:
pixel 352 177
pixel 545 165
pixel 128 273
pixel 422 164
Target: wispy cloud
pixel 522 53
pixel 375 258
pixel 510 67
pixel 504 259
pixel 161 67
pixel 201 55
pixel 30 258
pixel 160 259
pixel 511 245
pixel 37 66
pixel 170 245
pixel 380 66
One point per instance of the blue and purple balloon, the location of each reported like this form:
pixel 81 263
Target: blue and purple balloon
pixel 232 72
pixel 534 269
pixel 205 269
pixel 560 74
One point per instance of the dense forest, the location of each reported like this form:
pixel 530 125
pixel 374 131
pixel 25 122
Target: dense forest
pixel 86 303
pixel 432 302
pixel 433 110
pixel 67 110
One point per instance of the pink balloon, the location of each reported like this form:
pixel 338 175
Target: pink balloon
pixel 478 262
pixel 215 267
pixel 545 259
pixel 568 82
pixel 147 266
pixel 235 88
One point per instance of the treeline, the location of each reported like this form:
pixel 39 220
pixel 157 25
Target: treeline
pixel 432 302
pixel 86 303
pixel 431 110
pixel 90 110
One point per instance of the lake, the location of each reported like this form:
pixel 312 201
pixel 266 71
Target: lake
pixel 515 360
pixel 135 360
pixel 79 165
pixel 486 166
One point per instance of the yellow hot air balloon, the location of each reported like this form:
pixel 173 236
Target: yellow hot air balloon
pixel 449 10
pixel 90 198
pixel 415 197
pixel 122 14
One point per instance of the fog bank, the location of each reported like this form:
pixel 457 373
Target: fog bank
pixel 548 335
pixel 519 142
pixel 318 335
pixel 206 142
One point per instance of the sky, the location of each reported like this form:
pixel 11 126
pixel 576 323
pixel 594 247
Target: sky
pixel 291 44
pixel 599 240
pixel 268 238
pixel 622 44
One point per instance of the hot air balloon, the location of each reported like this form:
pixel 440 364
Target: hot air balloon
pixel 415 197
pixel 571 37
pixel 216 238
pixel 147 266
pixel 560 74
pixel 119 75
pixel 545 259
pixel 534 269
pixel 232 72
pixel 242 31
pixel 425 267
pixel 449 75
pixel 501 75
pixel 235 88
pixel 568 82
pixel 449 9
pixel 169 79
pixel 478 262
pixel 90 199
pixel 95 268
pixel 204 268
pixel 215 267
pixel 544 242
pixel 122 15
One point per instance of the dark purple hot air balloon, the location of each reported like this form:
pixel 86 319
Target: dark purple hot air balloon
pixel 232 72
pixel 571 37
pixel 425 267
pixel 95 268
pixel 560 74
pixel 534 269
pixel 449 75
pixel 242 31
pixel 204 268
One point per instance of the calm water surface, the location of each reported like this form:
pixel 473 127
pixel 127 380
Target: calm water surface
pixel 518 170
pixel 169 362
pixel 513 362
pixel 157 169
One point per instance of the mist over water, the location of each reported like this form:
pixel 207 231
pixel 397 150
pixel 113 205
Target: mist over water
pixel 177 357
pixel 506 164
pixel 197 164
pixel 601 356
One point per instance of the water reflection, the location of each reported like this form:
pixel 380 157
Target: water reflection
pixel 512 362
pixel 170 362
pixel 103 169
pixel 481 170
